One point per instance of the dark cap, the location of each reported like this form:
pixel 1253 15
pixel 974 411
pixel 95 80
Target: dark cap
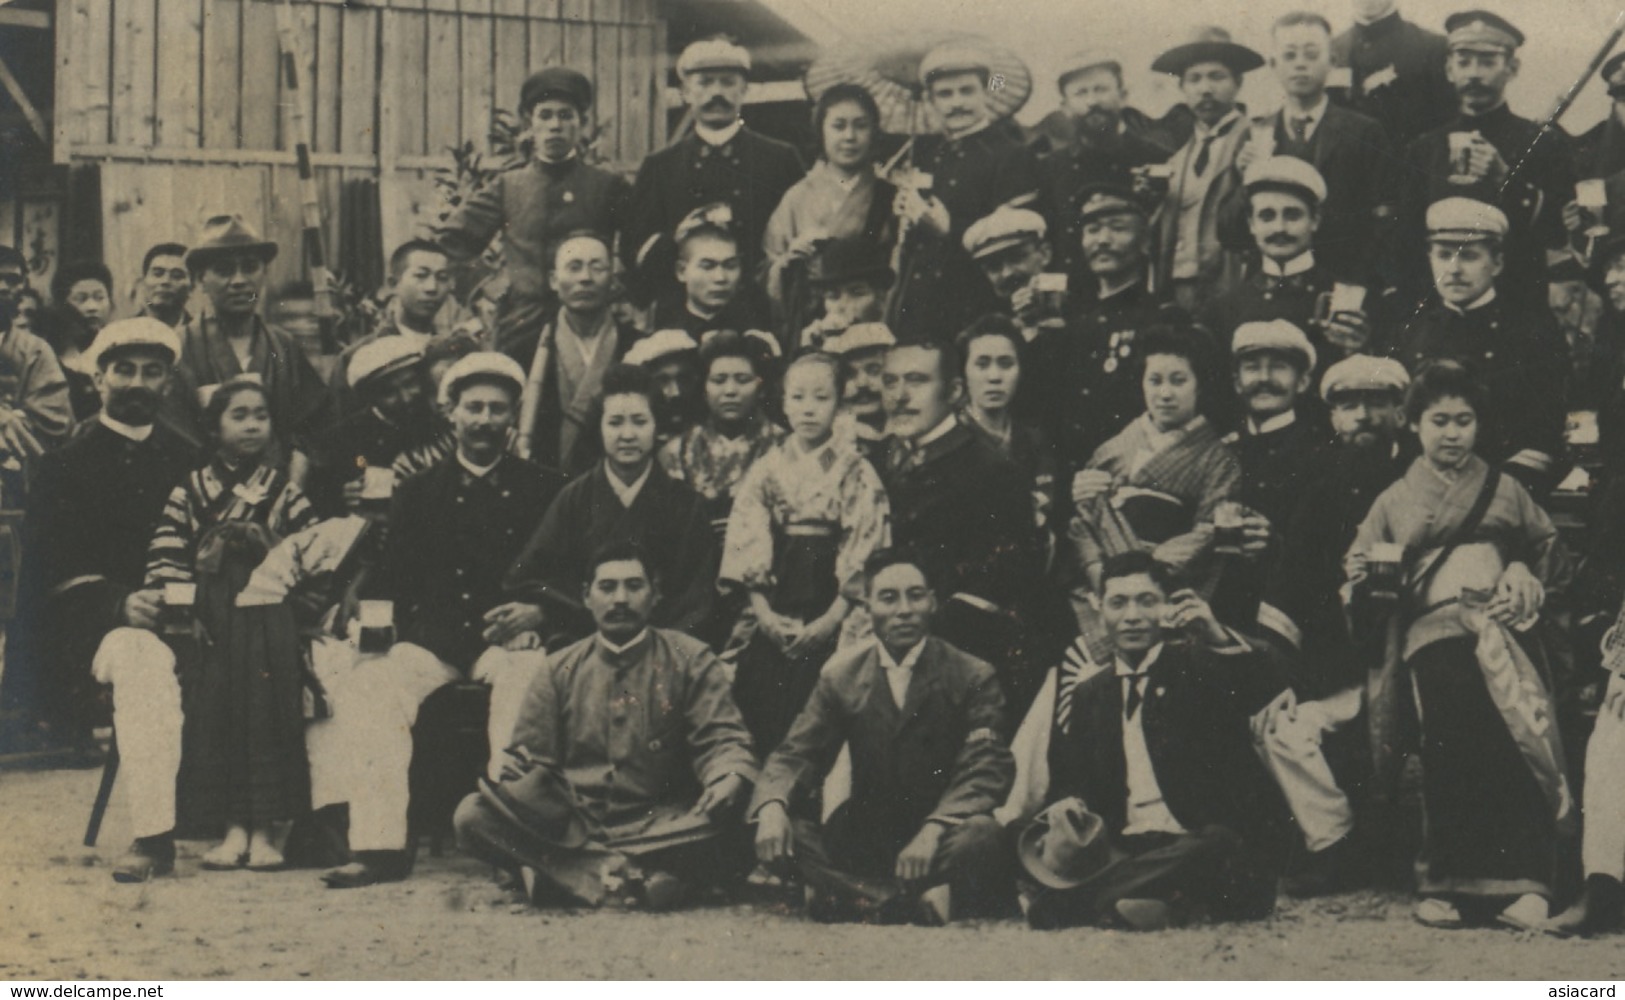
pixel 1612 66
pixel 1481 30
pixel 556 82
pixel 1107 198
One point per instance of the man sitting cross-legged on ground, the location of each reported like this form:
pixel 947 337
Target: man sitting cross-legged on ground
pixel 627 764
pixel 922 720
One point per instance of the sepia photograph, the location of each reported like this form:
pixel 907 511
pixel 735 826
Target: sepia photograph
pixel 513 490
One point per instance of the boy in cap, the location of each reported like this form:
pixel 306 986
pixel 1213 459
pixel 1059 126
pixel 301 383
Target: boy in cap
pixel 720 160
pixel 1395 71
pixel 536 203
pixel 452 534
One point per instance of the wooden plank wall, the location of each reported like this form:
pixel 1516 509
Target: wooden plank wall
pixel 182 101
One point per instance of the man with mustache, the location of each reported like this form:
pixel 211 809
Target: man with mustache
pixel 1395 71
pixel 672 359
pixel 1302 616
pixel 90 518
pixel 537 202
pixel 1274 365
pixel 1524 168
pixel 959 176
pixel 862 349
pixel 1193 263
pixel 923 721
pixel 721 160
pixel 1514 348
pixel 629 760
pixel 1009 246
pixel 452 534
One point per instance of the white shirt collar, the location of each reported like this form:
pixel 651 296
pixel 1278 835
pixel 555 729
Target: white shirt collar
pixel 1274 423
pixel 123 429
pixel 899 674
pixel 477 471
pixel 936 432
pixel 627 494
pixel 603 640
pixel 1203 131
pixel 1298 265
pixel 1125 670
pixel 718 136
pixel 1314 114
pixel 1478 303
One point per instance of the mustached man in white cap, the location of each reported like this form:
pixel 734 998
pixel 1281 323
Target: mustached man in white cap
pixel 1305 734
pixel 721 160
pixel 83 618
pixel 453 531
pixel 1512 346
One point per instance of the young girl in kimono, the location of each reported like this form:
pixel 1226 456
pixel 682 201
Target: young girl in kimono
pixel 805 518
pixel 1479 558
pixel 243 762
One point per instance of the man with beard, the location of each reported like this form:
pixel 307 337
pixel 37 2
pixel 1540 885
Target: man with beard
pixel 923 719
pixel 568 360
pixel 395 435
pixel 230 339
pixel 973 167
pixel 1396 71
pixel 91 516
pixel 711 292
pixel 672 359
pixel 1101 139
pixel 722 160
pixel 1513 348
pixel 165 284
pixel 1193 264
pixel 453 532
pixel 420 285
pixel 36 413
pixel 1302 615
pixel 968 512
pixel 1487 153
pixel 862 349
pixel 536 203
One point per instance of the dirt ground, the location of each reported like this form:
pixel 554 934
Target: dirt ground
pixel 63 917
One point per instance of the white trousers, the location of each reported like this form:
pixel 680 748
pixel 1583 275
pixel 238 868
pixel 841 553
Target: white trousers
pixel 1291 750
pixel 1602 846
pixel 146 722
pixel 361 755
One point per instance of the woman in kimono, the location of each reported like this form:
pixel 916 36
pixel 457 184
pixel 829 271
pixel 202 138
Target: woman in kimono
pixel 713 455
pixel 840 198
pixel 244 747
pixel 1479 559
pixel 805 519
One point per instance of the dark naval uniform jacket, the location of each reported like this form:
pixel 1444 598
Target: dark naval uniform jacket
pixel 361 440
pixel 1398 76
pixel 1066 170
pixel 452 536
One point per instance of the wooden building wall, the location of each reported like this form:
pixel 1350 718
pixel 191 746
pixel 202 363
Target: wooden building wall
pixel 182 104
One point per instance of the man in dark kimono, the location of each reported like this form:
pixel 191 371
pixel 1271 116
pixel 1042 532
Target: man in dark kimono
pixel 722 160
pixel 922 720
pixel 627 497
pixel 628 763
pixel 452 532
pixel 1489 154
pixel 958 178
pixel 83 614
pixel 1395 71
pixel 536 203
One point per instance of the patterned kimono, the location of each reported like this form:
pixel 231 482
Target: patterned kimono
pixel 712 464
pixel 243 758
pixel 1494 788
pixel 803 525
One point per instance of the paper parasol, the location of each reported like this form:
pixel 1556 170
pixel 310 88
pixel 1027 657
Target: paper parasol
pixel 891 73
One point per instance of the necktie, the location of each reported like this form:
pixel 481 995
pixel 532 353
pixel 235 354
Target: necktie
pixel 1300 129
pixel 1131 703
pixel 1202 154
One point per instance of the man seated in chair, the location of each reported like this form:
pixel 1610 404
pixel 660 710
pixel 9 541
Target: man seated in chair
pixel 628 761
pixel 923 721
pixel 453 531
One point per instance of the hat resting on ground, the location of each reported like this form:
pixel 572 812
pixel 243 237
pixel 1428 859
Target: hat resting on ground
pixel 137 333
pixel 1210 44
pixel 1364 373
pixel 481 364
pixel 1064 845
pixel 227 236
pixel 1275 335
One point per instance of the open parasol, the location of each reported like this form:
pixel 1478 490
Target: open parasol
pixel 891 73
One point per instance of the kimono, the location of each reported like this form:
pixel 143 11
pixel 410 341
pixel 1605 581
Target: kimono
pixel 803 525
pixel 1495 793
pixel 242 668
pixel 712 465
pixel 300 401
pixel 826 205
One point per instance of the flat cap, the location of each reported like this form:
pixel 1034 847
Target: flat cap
pixel 1274 335
pixel 953 58
pixel 481 364
pixel 658 345
pixel 136 333
pixel 713 54
pixel 1465 220
pixel 1086 60
pixel 381 357
pixel 1286 172
pixel 1098 201
pixel 556 82
pixel 1364 373
pixel 860 337
pixel 1002 229
pixel 1481 30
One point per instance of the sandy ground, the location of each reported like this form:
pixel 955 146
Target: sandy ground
pixel 63 917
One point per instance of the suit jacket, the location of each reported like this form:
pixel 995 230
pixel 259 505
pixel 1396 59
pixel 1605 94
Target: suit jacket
pixel 1398 76
pixel 937 756
pixel 1196 711
pixel 1218 268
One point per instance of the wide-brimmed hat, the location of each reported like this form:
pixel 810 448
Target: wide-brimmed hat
pixel 1210 44
pixel 539 802
pixel 1064 845
pixel 225 235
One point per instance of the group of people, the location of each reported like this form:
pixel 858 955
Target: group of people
pixel 1084 523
